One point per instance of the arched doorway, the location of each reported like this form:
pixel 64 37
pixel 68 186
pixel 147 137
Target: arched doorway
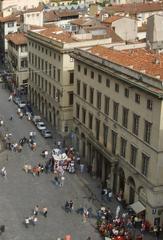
pixel 131 184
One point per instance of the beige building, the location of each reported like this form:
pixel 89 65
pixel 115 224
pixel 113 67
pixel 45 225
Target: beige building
pixel 18 58
pixel 51 77
pixel 118 112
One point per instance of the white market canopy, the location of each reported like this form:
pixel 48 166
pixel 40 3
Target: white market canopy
pixel 137 207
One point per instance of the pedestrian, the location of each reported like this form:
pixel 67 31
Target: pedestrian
pixel 2 229
pixel 26 221
pixel 117 211
pixel 71 205
pixel 110 194
pixel 36 210
pixel 46 153
pixel 35 220
pixel 45 211
pixel 59 144
pixel 62 181
pixel 4 172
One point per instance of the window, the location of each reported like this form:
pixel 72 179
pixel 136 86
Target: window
pixel 106 106
pixel 85 71
pixel 126 92
pixel 147 131
pixel 46 85
pixel 105 135
pixel 135 128
pixel 24 63
pixel 133 155
pixel 54 73
pixel 71 77
pixel 123 147
pixel 49 88
pixel 114 142
pixel 10 24
pixel 91 95
pixel 77 111
pixel 50 69
pixel 115 111
pixel 46 51
pixel 99 78
pixel 42 64
pixel 125 117
pixel 145 163
pixel 84 91
pixel 116 87
pixel 71 98
pixel 149 104
pixel 54 55
pixel 59 74
pixel 78 87
pixel 92 74
pixel 98 100
pixel 83 115
pixel 107 82
pixel 78 68
pixel 97 129
pixel 137 98
pixel 90 121
pixel 54 91
pixel 46 67
pixel 39 62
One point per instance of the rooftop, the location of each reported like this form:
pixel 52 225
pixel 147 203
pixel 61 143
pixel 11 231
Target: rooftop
pixel 135 7
pixel 11 18
pixel 112 19
pixel 140 60
pixel 17 38
pixel 56 33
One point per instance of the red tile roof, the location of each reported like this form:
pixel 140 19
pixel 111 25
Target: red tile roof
pixel 11 18
pixel 57 34
pixel 17 38
pixel 50 16
pixel 137 59
pixel 111 19
pixel 135 7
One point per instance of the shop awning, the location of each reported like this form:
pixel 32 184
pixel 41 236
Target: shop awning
pixel 137 207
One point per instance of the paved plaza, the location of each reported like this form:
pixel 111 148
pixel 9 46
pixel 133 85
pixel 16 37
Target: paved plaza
pixel 20 192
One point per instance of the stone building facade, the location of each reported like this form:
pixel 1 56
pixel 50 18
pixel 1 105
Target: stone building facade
pixel 118 110
pixel 51 77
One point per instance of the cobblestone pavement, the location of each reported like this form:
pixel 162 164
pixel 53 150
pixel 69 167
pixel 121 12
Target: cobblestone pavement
pixel 20 192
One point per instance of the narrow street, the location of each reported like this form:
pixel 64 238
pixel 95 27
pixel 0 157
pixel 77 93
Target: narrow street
pixel 20 192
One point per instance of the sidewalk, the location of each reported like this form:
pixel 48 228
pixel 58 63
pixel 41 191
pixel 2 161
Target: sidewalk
pixel 94 188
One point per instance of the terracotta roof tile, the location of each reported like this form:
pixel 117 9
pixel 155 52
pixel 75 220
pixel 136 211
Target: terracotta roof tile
pixel 66 13
pixel 111 19
pixel 57 34
pixel 17 38
pixel 135 7
pixel 11 18
pixel 137 59
pixel 50 16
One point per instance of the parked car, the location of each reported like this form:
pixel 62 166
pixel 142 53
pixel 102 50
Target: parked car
pixel 36 119
pixel 21 104
pixel 46 133
pixel 41 126
pixel 16 100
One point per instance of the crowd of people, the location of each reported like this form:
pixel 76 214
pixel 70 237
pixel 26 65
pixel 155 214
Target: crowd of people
pixel 33 219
